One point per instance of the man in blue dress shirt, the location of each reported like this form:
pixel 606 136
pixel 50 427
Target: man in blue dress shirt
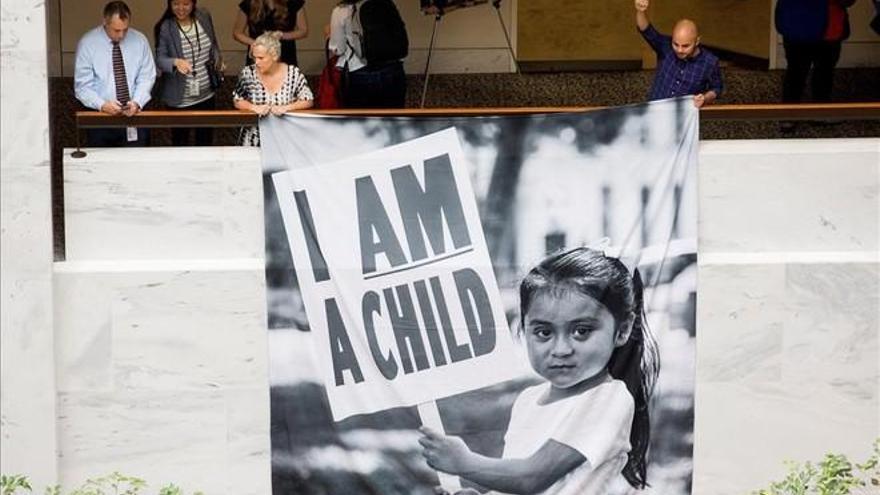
pixel 115 73
pixel 683 66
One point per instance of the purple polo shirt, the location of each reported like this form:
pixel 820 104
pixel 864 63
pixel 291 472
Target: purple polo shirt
pixel 676 77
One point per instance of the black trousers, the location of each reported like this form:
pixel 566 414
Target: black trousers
pixel 116 137
pixel 822 56
pixel 376 87
pixel 204 135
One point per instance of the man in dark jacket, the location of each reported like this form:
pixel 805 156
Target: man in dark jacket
pixel 812 32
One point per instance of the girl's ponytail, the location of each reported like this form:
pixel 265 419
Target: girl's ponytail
pixel 636 364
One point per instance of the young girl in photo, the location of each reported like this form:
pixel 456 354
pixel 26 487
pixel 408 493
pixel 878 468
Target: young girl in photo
pixel 584 327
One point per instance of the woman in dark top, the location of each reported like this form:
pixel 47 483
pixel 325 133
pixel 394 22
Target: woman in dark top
pixel 187 53
pixel 285 18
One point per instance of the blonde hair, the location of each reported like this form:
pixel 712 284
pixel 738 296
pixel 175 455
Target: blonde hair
pixel 270 43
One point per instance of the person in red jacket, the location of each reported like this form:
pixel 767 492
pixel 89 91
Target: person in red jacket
pixel 812 33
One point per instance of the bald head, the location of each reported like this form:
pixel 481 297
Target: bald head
pixel 685 39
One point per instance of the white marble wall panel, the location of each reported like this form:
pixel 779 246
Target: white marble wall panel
pixel 248 468
pixel 163 373
pixel 27 388
pixel 164 203
pixel 27 221
pixel 788 369
pixel 788 364
pixel 24 88
pixel 157 436
pixel 790 195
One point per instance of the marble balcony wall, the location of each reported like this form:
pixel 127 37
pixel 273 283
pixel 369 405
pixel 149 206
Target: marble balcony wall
pixel 160 319
pixel 788 348
pixel 154 335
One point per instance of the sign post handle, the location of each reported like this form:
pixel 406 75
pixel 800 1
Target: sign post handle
pixel 430 415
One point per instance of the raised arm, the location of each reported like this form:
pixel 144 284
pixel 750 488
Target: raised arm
pixel 642 21
pixel 529 475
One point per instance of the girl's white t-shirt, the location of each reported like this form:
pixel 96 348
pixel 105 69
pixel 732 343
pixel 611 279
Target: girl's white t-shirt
pixel 596 423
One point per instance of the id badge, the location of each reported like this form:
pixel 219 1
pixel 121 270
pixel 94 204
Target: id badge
pixel 192 86
pixel 131 133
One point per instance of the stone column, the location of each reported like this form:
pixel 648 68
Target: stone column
pixel 27 362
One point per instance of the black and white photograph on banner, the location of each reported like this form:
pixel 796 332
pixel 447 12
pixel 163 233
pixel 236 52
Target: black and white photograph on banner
pixel 484 304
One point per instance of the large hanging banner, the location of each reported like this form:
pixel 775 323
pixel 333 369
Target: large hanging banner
pixel 482 304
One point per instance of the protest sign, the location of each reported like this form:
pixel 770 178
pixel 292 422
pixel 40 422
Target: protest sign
pixel 395 276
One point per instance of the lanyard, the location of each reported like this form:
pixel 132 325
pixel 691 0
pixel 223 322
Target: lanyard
pixel 195 55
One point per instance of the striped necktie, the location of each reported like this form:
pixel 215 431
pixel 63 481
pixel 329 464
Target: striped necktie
pixel 122 94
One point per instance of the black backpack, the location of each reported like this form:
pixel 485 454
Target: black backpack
pixel 383 33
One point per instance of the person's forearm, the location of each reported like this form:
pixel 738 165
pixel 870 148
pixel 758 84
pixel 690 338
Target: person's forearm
pixel 642 21
pixel 84 82
pixel 240 29
pixel 143 84
pixel 296 34
pixel 164 58
pixel 710 97
pixel 87 95
pixel 142 97
pixel 516 476
pixel 166 63
pixel 300 29
pixel 243 105
pixel 301 105
pixel 243 39
pixel 297 105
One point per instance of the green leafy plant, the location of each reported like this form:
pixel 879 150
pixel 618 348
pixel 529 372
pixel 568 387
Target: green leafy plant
pixel 173 489
pixel 9 484
pixel 112 484
pixel 833 475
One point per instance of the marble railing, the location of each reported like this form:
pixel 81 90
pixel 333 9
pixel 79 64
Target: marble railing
pixel 161 347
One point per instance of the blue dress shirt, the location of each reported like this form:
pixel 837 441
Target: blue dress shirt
pixel 94 82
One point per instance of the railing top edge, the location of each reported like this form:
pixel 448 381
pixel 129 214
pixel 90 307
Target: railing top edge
pixel 784 111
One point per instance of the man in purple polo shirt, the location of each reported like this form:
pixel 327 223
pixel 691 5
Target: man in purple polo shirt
pixel 683 66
